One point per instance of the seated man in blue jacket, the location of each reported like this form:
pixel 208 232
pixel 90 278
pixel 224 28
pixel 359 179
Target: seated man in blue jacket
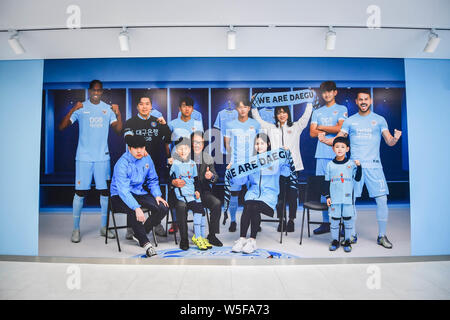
pixel 135 185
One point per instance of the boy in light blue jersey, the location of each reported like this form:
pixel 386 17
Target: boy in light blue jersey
pixel 340 177
pixel 238 138
pixel 181 127
pixel 196 115
pixel 327 119
pixel 183 173
pixel 185 125
pixel 365 130
pixel 92 158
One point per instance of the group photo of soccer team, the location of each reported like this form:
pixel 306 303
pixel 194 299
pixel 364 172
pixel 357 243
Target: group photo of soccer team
pixel 260 151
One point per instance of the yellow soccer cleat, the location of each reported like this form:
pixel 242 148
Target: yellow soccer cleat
pixel 206 243
pixel 199 243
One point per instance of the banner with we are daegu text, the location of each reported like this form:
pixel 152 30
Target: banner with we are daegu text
pixel 277 99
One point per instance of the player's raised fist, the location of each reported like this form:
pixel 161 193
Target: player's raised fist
pixel 77 106
pixel 115 108
pixel 357 162
pixel 397 134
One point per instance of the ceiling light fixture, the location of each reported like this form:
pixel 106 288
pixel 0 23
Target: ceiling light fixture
pixel 124 40
pixel 231 38
pixel 433 41
pixel 14 42
pixel 330 39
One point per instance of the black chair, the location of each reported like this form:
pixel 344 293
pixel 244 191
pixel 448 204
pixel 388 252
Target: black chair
pixel 113 212
pixel 281 220
pixel 312 201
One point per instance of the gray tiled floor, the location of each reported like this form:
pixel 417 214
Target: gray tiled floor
pixel 55 230
pixel 33 280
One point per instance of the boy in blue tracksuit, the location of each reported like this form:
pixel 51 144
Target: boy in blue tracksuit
pixel 261 197
pixel 340 176
pixel 184 176
pixel 135 185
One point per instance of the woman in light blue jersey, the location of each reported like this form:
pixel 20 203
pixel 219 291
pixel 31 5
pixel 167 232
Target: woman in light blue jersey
pixel 261 197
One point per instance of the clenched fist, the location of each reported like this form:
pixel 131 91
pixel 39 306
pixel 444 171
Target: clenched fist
pixel 115 108
pixel 397 134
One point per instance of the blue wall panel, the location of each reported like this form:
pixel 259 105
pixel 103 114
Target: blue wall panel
pixel 20 134
pixel 427 95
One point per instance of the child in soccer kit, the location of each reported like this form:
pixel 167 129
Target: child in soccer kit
pixel 340 176
pixel 188 196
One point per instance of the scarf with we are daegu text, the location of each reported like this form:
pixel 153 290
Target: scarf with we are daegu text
pixel 281 156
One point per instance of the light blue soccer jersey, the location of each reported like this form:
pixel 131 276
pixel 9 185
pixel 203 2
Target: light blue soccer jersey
pixel 223 117
pixel 267 114
pixel 341 177
pixel 94 121
pixel 242 137
pixel 186 171
pixel 365 135
pixel 196 115
pixel 328 116
pixel 181 128
pixel 156 113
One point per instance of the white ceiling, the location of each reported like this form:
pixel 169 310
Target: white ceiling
pixel 198 28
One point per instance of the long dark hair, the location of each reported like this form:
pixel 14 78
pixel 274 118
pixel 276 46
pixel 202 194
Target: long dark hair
pixel 263 137
pixel 285 109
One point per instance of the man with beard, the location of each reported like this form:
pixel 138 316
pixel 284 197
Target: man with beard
pixel 365 130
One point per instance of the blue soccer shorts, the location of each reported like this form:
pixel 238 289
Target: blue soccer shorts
pixel 85 170
pixel 375 183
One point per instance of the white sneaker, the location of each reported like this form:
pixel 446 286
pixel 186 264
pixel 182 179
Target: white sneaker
pixel 250 246
pixel 238 245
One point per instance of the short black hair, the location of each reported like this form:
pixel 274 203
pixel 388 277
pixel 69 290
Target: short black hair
pixel 341 140
pixel 245 102
pixel 94 82
pixel 188 100
pixel 328 86
pixel 362 90
pixel 142 97
pixel 135 141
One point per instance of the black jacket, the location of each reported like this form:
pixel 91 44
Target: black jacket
pixel 202 165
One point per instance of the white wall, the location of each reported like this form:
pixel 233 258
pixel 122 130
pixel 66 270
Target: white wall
pixel 185 41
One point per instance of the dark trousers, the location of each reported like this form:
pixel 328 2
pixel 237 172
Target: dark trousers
pixel 211 202
pixel 251 216
pixel 182 209
pixel 158 212
pixel 289 195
